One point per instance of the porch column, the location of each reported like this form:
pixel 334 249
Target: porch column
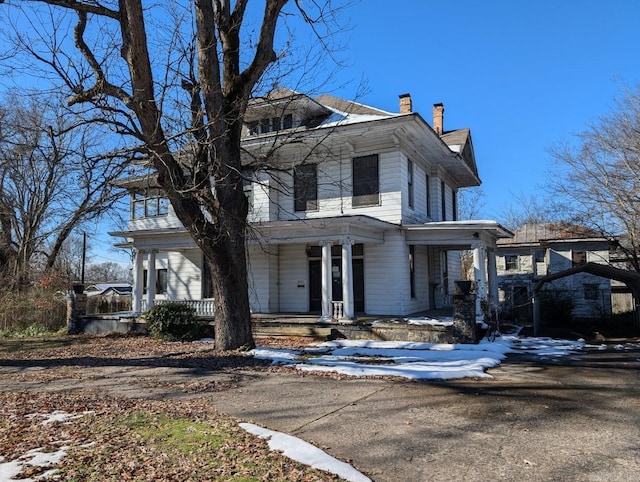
pixel 347 282
pixel 327 294
pixel 151 278
pixel 480 274
pixel 492 275
pixel 138 279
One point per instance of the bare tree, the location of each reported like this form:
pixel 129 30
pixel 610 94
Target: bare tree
pixel 50 183
pixel 531 208
pixel 180 90
pixel 597 176
pixel 107 271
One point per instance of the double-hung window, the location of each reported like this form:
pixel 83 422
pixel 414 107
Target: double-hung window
pixel 366 181
pixel 305 187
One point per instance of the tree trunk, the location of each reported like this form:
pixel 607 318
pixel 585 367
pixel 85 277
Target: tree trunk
pixel 228 268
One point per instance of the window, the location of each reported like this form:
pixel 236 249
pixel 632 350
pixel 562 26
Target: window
pixel 590 291
pixel 511 262
pixel 287 121
pixel 454 204
pixel 146 205
pixel 247 188
pixel 428 182
pixel 578 257
pixel 305 187
pixel 412 270
pixel 265 126
pixel 161 281
pixel 539 255
pixel 366 184
pixel 207 285
pixel 410 182
pixel 275 123
pixel 443 200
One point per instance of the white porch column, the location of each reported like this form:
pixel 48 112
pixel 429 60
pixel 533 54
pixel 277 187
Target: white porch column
pixel 138 279
pixel 492 275
pixel 327 294
pixel 151 278
pixel 347 282
pixel 480 274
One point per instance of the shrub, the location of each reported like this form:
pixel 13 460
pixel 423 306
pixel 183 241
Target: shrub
pixel 174 322
pixel 32 312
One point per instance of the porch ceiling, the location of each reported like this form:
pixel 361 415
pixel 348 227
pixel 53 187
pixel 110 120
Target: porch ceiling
pixel 460 234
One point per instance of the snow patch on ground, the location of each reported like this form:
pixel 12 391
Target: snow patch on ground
pixel 415 361
pixel 305 453
pixel 35 458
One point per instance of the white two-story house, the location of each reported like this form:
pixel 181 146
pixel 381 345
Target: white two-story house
pixel 357 214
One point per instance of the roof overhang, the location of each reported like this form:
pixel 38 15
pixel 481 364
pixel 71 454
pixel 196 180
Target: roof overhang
pixel 456 234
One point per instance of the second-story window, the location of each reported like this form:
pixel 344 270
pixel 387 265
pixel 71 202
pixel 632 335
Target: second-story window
pixel 454 204
pixel 366 182
pixel 410 182
pixel 305 187
pixel 578 257
pixel 148 205
pixel 511 262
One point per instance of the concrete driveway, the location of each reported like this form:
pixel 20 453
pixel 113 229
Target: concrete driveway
pixel 573 419
pixel 576 418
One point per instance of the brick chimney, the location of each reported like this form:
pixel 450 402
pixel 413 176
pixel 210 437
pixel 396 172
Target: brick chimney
pixel 406 106
pixel 438 118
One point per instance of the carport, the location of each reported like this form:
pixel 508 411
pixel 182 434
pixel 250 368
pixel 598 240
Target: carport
pixel 630 278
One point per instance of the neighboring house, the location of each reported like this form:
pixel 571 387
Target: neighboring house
pixel 108 297
pixel 540 250
pixel 361 217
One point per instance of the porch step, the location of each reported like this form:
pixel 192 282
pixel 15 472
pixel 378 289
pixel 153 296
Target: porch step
pixel 279 328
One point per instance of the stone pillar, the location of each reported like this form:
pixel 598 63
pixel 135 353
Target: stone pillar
pixel 76 308
pixel 347 282
pixel 138 279
pixel 327 293
pixel 465 329
pixel 480 274
pixel 151 279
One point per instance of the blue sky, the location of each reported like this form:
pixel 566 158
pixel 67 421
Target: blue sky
pixel 523 75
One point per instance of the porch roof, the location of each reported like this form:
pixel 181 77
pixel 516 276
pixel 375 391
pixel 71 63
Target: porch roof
pixel 458 234
pixel 356 228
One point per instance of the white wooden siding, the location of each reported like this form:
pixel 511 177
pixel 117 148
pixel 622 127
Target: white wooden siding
pixel 294 271
pixel 386 272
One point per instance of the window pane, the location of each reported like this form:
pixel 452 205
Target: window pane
pixel 305 187
pixel 366 186
pixel 163 206
pixel 287 121
pixel 138 208
pixel 152 207
pixel 161 281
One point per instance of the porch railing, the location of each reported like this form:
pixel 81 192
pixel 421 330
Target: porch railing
pixel 204 308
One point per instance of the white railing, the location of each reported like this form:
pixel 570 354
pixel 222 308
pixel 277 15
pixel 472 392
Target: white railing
pixel 338 310
pixel 204 308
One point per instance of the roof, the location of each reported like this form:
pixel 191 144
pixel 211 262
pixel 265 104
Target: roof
pixel 532 233
pixel 349 107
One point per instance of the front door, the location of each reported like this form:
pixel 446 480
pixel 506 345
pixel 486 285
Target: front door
pixel 315 283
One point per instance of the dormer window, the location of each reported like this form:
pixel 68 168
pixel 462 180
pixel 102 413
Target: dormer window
pixel 270 124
